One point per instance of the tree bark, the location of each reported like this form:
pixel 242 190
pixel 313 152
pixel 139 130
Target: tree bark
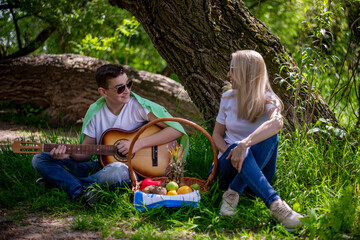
pixel 65 86
pixel 196 39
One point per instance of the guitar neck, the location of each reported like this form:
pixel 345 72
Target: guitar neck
pixel 83 149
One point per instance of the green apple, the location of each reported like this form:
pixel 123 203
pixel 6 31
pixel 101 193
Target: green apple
pixel 172 186
pixel 195 186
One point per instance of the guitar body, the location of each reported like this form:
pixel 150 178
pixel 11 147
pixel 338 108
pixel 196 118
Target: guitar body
pixel 147 162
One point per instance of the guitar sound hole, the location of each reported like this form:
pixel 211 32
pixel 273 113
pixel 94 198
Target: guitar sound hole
pixel 121 157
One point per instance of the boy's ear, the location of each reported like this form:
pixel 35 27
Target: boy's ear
pixel 102 91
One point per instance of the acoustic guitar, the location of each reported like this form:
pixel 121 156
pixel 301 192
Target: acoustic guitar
pixel 147 162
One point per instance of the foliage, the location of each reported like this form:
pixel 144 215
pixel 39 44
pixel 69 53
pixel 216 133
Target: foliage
pixel 25 20
pixel 323 37
pixel 23 114
pixel 116 37
pixel 92 28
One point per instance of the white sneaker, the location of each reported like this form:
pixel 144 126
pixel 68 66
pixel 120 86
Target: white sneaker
pixel 284 214
pixel 229 203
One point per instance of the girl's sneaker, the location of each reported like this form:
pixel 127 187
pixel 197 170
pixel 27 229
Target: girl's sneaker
pixel 229 203
pixel 284 214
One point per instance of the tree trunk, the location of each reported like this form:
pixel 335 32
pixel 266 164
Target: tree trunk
pixel 196 39
pixel 65 86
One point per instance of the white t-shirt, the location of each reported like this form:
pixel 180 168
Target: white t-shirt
pixel 238 129
pixel 131 117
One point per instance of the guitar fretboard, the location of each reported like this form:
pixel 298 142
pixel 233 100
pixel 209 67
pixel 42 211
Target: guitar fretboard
pixel 84 149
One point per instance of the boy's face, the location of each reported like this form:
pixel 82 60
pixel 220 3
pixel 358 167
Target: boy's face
pixel 111 92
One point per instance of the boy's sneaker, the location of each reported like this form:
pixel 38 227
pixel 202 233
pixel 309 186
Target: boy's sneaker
pixel 229 203
pixel 42 183
pixel 284 214
pixel 91 195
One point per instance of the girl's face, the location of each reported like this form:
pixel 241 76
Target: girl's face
pixel 230 76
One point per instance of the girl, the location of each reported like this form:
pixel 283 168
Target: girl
pixel 245 133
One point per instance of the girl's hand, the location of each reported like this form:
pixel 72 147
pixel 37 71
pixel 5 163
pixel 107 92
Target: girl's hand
pixel 237 156
pixel 59 152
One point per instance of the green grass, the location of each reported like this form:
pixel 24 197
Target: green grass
pixel 317 174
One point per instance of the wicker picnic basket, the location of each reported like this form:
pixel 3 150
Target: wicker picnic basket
pixel 204 185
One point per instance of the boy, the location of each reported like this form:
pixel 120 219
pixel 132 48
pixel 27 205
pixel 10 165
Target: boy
pixel 117 108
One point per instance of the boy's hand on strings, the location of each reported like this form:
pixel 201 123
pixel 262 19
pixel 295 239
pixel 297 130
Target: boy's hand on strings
pixel 59 152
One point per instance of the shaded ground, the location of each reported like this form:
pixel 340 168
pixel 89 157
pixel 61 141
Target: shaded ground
pixel 10 132
pixel 19 223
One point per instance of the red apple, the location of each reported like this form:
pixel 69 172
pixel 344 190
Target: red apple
pixel 148 182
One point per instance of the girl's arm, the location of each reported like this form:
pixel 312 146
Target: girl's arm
pixel 263 132
pixel 218 136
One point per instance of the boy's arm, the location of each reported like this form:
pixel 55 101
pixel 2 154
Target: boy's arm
pixel 166 135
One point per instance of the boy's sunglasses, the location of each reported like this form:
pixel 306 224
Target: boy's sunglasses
pixel 121 88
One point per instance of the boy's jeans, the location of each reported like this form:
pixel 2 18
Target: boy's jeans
pixel 74 176
pixel 257 170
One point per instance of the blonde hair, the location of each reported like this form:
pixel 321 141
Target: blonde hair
pixel 248 71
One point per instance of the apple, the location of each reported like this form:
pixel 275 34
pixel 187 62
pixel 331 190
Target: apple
pixel 148 182
pixel 172 186
pixel 195 186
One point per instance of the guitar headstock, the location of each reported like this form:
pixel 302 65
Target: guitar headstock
pixel 26 147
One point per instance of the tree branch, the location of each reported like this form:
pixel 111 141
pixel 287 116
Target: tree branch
pixel 16 28
pixel 33 45
pixel 9 6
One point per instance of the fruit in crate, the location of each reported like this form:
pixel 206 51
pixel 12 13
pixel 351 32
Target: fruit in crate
pixel 184 190
pixel 172 186
pixel 148 182
pixel 195 186
pixel 172 192
pixel 155 190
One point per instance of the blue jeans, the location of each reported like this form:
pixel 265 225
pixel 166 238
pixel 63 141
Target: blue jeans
pixel 257 171
pixel 74 177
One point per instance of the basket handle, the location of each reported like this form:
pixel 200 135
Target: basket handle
pixel 180 120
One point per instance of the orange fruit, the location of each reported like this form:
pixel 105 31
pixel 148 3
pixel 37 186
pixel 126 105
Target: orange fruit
pixel 172 192
pixel 184 190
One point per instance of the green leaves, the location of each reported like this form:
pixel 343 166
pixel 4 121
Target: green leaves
pixel 128 27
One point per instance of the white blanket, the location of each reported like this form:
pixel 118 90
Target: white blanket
pixel 144 201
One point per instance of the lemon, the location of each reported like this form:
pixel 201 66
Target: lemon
pixel 172 192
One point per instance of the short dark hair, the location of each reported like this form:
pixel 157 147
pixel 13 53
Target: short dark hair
pixel 106 72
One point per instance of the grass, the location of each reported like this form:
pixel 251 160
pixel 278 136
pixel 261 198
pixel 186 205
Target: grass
pixel 317 174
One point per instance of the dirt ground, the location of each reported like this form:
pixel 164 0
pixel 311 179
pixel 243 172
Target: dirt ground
pixel 37 226
pixel 21 224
